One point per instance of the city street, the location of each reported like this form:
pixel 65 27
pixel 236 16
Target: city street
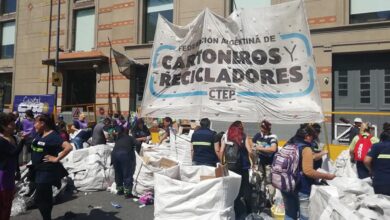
pixel 92 205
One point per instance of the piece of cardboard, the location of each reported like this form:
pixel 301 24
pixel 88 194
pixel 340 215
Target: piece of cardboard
pixel 221 170
pixel 167 163
pixel 206 177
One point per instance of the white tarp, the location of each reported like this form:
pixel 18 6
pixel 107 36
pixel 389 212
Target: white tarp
pixel 256 64
pixel 180 194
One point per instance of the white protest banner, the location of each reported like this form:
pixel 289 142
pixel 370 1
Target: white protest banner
pixel 256 64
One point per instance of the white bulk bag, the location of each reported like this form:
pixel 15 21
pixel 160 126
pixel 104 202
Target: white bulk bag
pixel 181 194
pixel 143 178
pixel 325 204
pixel 90 168
pixel 180 149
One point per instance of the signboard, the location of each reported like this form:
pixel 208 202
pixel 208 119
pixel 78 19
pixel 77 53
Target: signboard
pixel 256 64
pixel 56 79
pixel 37 103
pixel 76 111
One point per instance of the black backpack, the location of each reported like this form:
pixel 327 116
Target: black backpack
pixel 232 154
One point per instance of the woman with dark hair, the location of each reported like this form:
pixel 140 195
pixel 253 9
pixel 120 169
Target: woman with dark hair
pixel 140 132
pixel 377 162
pixel 28 134
pixel 235 135
pixel 296 203
pixel 167 125
pixel 266 145
pixel 48 148
pixel 9 152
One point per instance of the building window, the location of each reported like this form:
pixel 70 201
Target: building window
pixel 153 9
pixel 249 3
pixel 369 11
pixel 387 87
pixel 7 40
pixel 6 87
pixel 365 87
pixel 8 6
pixel 343 83
pixel 84 36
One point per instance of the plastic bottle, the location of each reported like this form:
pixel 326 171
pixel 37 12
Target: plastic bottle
pixel 116 205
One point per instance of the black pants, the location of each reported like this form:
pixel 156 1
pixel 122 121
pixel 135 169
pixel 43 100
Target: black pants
pixel 245 192
pixel 382 189
pixel 362 170
pixel 44 199
pixel 124 164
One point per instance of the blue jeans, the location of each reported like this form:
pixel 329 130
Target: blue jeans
pixel 78 142
pixel 291 205
pixel 296 205
pixel 303 206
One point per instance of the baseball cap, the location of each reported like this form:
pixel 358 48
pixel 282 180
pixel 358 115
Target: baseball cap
pixel 358 120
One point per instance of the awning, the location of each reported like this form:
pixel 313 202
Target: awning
pixel 79 60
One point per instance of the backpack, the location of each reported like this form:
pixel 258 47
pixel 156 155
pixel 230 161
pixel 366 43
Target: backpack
pixel 285 168
pixel 362 147
pixel 232 154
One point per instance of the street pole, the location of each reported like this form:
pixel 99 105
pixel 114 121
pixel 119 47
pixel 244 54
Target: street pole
pixel 48 48
pixel 57 52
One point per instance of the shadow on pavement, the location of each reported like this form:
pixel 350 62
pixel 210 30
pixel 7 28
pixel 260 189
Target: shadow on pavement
pixel 95 214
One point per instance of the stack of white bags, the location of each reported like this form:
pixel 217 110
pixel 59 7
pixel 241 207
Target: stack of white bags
pixel 347 196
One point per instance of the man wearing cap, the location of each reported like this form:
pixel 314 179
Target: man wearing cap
pixel 355 130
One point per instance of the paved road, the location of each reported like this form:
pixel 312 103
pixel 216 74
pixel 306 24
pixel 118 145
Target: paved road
pixel 93 206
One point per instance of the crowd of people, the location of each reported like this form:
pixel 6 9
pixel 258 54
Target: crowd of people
pixel 39 139
pixel 372 157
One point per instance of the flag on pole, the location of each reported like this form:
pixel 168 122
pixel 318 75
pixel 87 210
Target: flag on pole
pixel 126 65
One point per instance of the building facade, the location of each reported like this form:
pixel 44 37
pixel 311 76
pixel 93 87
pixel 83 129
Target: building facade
pixel 351 40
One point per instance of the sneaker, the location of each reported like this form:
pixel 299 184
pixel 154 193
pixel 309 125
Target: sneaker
pixel 120 191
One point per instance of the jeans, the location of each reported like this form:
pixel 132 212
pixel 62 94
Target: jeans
pixel 124 165
pixel 296 205
pixel 303 206
pixel 78 142
pixel 291 205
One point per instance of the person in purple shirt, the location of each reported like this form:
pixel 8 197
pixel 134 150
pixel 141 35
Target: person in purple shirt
pixel 9 152
pixel 80 123
pixel 28 134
